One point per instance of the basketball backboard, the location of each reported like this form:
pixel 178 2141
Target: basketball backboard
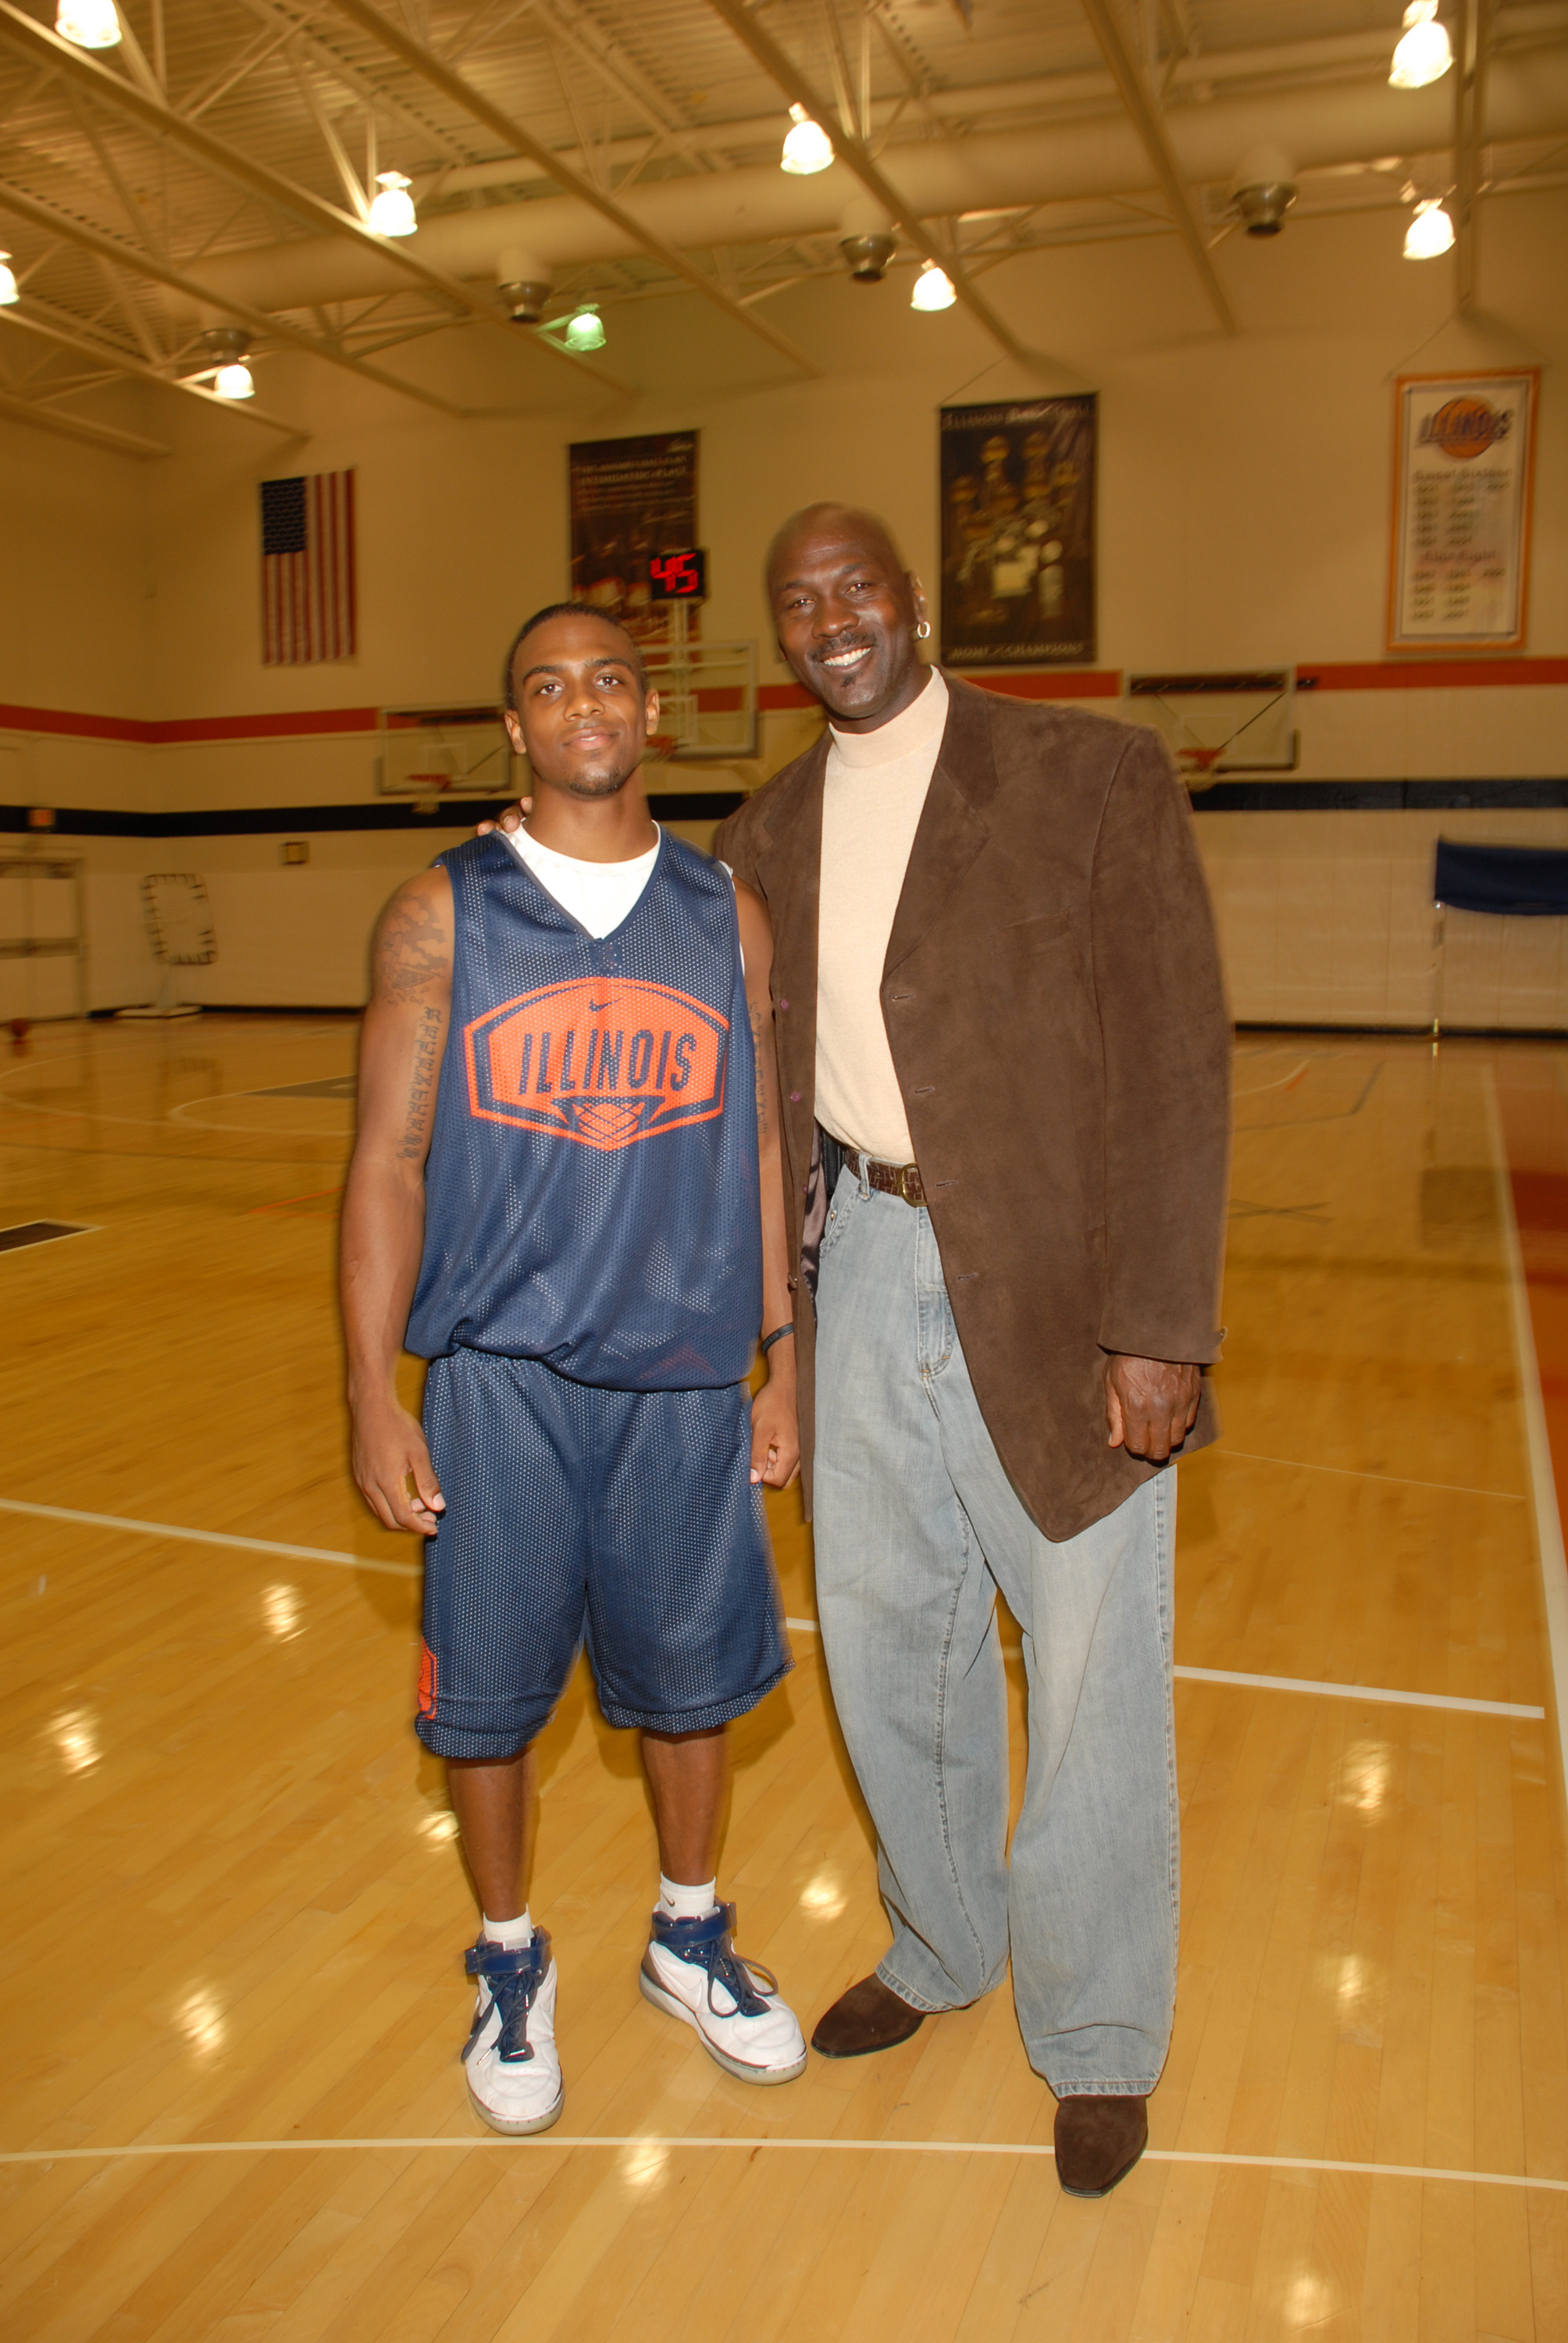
pixel 1238 721
pixel 428 752
pixel 707 699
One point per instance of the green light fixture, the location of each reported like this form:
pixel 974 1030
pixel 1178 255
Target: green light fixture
pixel 585 328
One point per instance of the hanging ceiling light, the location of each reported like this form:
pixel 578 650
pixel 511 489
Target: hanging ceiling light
pixel 392 211
pixel 525 284
pixel 933 289
pixel 585 328
pixel 225 346
pixel 90 24
pixel 806 148
pixel 1431 232
pixel 9 290
pixel 1424 54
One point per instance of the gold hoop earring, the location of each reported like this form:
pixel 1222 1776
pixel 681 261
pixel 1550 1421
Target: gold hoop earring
pixel 922 631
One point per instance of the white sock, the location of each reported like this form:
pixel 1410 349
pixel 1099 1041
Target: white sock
pixel 680 1902
pixel 512 1936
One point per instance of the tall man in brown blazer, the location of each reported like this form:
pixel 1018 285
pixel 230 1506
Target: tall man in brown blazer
pixel 1003 1048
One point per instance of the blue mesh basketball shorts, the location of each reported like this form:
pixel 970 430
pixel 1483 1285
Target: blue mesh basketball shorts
pixel 624 1518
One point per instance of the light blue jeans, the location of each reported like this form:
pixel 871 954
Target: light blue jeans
pixel 917 1525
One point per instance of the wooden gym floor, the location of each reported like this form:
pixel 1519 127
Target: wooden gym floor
pixel 230 2105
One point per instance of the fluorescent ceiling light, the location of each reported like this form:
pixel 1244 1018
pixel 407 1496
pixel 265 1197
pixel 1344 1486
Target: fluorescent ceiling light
pixel 585 329
pixel 933 289
pixel 1424 54
pixel 9 291
pixel 1430 232
pixel 235 381
pixel 90 24
pixel 392 211
pixel 806 148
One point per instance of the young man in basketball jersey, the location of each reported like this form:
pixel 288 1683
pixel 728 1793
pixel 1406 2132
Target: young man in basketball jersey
pixel 566 1194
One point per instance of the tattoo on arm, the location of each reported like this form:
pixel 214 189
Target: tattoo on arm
pixel 411 954
pixel 421 1085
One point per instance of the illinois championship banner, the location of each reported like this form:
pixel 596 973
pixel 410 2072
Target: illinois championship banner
pixel 1017 533
pixel 631 500
pixel 1465 452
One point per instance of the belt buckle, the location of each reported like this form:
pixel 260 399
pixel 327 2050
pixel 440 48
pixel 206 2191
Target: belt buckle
pixel 907 1172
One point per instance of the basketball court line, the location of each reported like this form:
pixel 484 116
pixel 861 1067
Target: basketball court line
pixel 1360 1692
pixel 163 1121
pixel 672 2142
pixel 287 1205
pixel 1549 1546
pixel 1292 1076
pixel 1246 1682
pixel 803 1626
pixel 1354 1473
pixel 188 1120
pixel 1307 1121
pixel 210 1537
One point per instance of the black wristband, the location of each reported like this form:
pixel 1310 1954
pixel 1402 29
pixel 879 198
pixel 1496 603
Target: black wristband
pixel 777 1334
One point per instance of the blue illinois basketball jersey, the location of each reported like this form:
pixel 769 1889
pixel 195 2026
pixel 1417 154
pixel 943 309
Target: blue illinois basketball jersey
pixel 592 1193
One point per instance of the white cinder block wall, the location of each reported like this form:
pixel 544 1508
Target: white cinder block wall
pixel 1244 498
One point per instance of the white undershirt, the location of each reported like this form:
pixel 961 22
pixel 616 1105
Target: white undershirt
pixel 598 895
pixel 872 795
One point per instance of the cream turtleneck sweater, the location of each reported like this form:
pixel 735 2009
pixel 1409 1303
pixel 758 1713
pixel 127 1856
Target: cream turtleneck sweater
pixel 873 792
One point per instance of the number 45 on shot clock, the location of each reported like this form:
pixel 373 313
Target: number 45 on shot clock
pixel 680 577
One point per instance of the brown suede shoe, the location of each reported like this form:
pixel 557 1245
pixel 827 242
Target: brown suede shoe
pixel 1099 2138
pixel 870 2017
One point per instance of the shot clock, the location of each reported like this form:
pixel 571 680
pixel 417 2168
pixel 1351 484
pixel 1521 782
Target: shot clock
pixel 680 577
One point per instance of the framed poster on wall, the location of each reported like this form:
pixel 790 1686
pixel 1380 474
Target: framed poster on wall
pixel 631 500
pixel 1465 452
pixel 1018 487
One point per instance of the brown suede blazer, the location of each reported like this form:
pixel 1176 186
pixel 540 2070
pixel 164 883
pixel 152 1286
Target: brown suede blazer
pixel 1054 1007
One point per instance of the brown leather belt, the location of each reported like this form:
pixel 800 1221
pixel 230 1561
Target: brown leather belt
pixel 890 1178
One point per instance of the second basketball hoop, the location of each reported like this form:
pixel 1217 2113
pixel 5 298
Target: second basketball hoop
pixel 1239 721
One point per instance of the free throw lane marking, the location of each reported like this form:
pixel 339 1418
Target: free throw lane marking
pixel 676 2141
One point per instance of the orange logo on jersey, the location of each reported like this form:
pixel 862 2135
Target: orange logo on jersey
pixel 605 1060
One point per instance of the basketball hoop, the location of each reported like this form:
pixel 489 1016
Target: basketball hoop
pixel 707 699
pixel 432 753
pixel 1230 722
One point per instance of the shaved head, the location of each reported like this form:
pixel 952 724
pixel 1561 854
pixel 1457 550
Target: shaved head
pixel 841 524
pixel 848 613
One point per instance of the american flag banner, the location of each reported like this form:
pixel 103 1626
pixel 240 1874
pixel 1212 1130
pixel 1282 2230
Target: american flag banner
pixel 307 568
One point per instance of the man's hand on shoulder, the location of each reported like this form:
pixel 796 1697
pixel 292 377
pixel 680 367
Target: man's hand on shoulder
pixel 1150 1404
pixel 511 822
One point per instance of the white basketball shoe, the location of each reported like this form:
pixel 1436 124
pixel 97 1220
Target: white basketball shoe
pixel 514 2066
pixel 692 1971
